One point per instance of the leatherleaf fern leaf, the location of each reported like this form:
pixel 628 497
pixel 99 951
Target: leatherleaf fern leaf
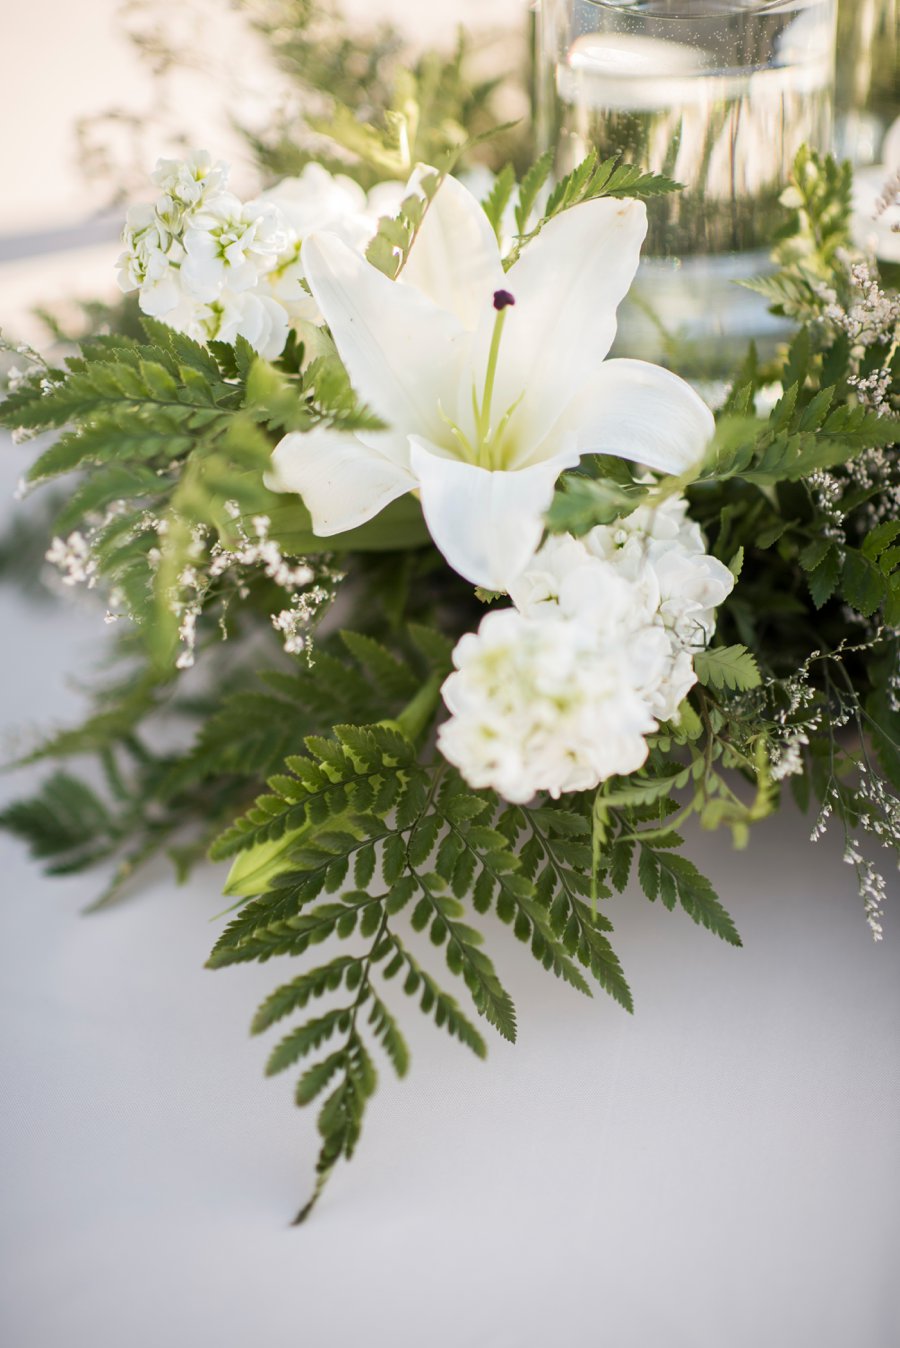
pixel 367 848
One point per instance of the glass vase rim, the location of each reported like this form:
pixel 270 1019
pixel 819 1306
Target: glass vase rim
pixel 717 7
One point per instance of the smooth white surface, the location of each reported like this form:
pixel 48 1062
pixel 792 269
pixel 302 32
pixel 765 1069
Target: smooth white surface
pixel 719 1171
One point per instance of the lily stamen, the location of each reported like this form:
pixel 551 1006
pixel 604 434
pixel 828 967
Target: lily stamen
pixel 503 300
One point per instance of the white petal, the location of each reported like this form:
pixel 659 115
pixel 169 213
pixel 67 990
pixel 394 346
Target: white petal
pixel 342 481
pixel 455 259
pixel 487 524
pixel 401 351
pixel 567 286
pixel 642 412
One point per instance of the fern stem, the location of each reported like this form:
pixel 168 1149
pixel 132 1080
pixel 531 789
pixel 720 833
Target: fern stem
pixel 416 716
pixel 362 996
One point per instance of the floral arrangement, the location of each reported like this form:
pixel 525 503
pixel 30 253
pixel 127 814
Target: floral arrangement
pixel 466 615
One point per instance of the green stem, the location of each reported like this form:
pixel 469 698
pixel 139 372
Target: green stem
pixel 483 414
pixel 416 716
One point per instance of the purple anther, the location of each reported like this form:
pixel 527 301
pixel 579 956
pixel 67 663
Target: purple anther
pixel 502 299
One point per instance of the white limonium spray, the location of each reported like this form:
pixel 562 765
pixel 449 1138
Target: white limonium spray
pixel 490 383
pixel 215 267
pixel 560 692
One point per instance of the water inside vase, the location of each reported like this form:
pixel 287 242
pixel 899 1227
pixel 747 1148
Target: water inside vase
pixel 718 94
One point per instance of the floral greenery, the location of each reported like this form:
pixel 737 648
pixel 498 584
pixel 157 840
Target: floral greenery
pixel 314 770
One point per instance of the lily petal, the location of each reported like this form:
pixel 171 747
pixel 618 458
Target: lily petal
pixel 567 285
pixel 342 482
pixel 488 525
pixel 455 258
pixel 644 413
pixel 401 351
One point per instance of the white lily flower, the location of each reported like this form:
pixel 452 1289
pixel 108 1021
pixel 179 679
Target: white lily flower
pixel 490 383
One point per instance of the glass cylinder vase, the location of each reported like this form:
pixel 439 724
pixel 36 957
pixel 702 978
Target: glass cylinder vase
pixel 719 95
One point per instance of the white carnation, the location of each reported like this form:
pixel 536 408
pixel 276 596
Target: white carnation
pixel 537 705
pixel 664 541
pixel 557 694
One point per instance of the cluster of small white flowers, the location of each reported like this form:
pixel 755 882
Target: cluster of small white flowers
pixel 788 760
pixel 74 560
pixel 823 818
pixel 793 724
pixel 872 389
pixel 294 623
pixel 827 492
pixel 215 267
pixel 249 553
pixel 872 317
pixel 893 690
pixel 260 550
pixel 560 692
pixel 872 888
pixel 874 313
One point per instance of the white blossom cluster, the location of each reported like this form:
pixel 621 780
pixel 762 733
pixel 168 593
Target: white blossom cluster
pixel 73 559
pixel 872 317
pixel 559 693
pixel 308 590
pixel 213 570
pixel 216 267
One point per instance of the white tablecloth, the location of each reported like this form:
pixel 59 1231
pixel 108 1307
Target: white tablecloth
pixel 719 1171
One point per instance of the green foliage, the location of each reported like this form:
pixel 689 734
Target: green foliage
pixel 593 178
pixel 819 201
pixel 395 236
pixel 810 427
pixel 583 501
pixel 727 667
pixel 386 108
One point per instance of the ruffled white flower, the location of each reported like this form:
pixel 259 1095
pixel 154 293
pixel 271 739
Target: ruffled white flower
pixel 490 383
pixel 559 694
pixel 665 542
pixel 258 318
pixel 537 705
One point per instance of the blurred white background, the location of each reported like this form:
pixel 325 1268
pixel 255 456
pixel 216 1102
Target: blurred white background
pixel 62 63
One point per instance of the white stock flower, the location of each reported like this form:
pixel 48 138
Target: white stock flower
pixel 230 245
pixel 490 383
pixel 186 183
pixel 557 693
pixel 213 266
pixel 537 705
pixel 150 261
pixel 198 255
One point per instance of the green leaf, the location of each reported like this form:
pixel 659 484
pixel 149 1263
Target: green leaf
pixel 862 583
pixel 670 876
pixel 730 667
